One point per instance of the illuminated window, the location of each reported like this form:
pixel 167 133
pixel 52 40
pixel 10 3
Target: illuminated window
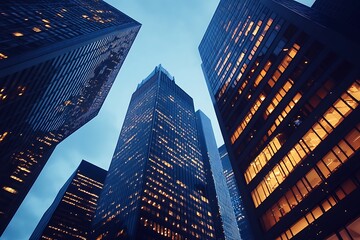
pixel 3 56
pixel 318 211
pixel 307 144
pixel 260 161
pixel 2 136
pixel 284 113
pixel 36 29
pixel 18 34
pixel 247 119
pixel 262 74
pixel 10 190
pixel 278 97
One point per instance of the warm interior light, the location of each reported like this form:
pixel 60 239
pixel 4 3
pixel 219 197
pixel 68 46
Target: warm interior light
pixel 18 34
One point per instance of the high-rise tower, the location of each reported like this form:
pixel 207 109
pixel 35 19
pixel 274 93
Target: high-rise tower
pixel 240 215
pixel 58 61
pixel 285 83
pixel 219 197
pixel 71 213
pixel 156 183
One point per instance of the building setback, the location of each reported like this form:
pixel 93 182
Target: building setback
pixel 240 215
pixel 285 83
pixel 71 213
pixel 156 187
pixel 58 61
pixel 225 221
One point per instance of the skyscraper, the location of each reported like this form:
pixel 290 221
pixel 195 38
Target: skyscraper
pixel 156 183
pixel 240 214
pixel 285 85
pixel 219 197
pixel 71 213
pixel 58 61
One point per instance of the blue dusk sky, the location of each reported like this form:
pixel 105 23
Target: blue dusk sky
pixel 170 34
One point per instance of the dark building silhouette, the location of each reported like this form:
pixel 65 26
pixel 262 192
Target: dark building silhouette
pixel 71 213
pixel 343 15
pixel 285 83
pixel 238 208
pixel 219 197
pixel 156 187
pixel 58 61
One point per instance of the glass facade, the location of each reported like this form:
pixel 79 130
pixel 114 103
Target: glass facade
pixel 71 213
pixel 239 210
pixel 156 183
pixel 287 101
pixel 218 192
pixel 58 62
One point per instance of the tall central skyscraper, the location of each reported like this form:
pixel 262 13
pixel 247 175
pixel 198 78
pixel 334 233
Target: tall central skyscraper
pixel 156 187
pixel 58 60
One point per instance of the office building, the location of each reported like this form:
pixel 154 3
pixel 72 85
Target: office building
pixel 156 183
pixel 219 197
pixel 285 83
pixel 238 208
pixel 58 61
pixel 71 213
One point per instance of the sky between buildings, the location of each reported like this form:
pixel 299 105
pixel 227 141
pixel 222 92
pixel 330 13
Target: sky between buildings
pixel 170 34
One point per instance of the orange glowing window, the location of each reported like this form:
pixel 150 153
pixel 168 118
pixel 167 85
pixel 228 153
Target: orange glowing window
pixel 18 34
pixel 261 159
pixel 10 190
pixel 3 56
pixel 307 144
pixel 247 119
